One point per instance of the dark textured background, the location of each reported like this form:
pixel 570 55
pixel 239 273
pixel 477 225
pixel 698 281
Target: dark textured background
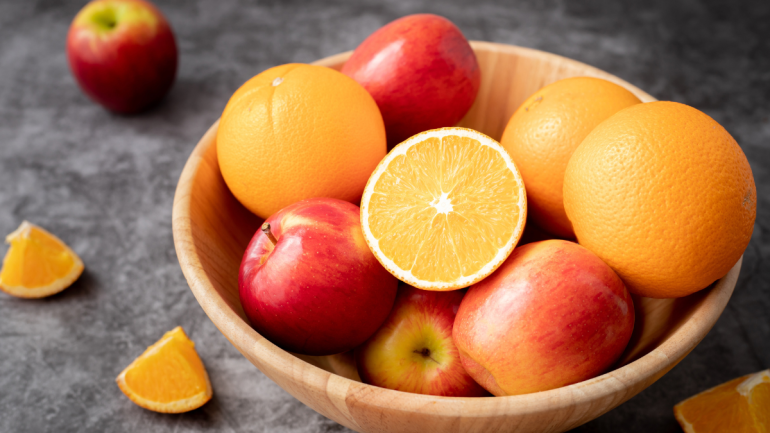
pixel 105 184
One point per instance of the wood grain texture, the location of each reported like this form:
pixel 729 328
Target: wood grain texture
pixel 211 231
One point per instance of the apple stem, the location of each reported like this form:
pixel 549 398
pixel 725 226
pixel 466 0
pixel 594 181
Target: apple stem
pixel 426 353
pixel 266 230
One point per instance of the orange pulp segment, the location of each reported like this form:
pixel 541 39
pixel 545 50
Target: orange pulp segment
pixel 444 208
pixel 741 405
pixel 38 263
pixel 168 377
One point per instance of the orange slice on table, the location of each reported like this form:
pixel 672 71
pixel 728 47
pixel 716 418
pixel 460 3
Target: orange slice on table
pixel 741 405
pixel 168 377
pixel 38 263
pixel 444 208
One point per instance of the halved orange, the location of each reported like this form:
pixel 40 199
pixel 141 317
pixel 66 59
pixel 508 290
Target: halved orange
pixel 444 208
pixel 741 405
pixel 38 263
pixel 168 377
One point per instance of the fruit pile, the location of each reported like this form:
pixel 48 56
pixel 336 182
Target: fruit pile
pixel 432 281
pixel 424 280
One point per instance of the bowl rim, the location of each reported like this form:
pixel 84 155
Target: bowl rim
pixel 647 368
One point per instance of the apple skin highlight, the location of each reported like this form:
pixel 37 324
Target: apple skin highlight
pixel 552 315
pixel 413 350
pixel 420 70
pixel 319 290
pixel 122 53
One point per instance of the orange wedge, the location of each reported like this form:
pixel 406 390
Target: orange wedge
pixel 741 405
pixel 38 263
pixel 444 208
pixel 168 377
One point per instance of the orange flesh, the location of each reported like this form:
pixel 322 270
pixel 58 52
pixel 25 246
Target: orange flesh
pixel 172 373
pixel 449 201
pixel 35 260
pixel 741 405
pixel 168 377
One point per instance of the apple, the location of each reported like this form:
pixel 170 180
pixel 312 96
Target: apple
pixel 553 314
pixel 413 350
pixel 421 71
pixel 309 283
pixel 122 54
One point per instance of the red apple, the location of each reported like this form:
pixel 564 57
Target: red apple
pixel 421 71
pixel 309 282
pixel 553 314
pixel 122 53
pixel 413 350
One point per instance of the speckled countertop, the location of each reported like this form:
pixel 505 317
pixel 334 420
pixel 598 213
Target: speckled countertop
pixel 105 185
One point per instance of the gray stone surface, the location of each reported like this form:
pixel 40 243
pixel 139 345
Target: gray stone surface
pixel 105 185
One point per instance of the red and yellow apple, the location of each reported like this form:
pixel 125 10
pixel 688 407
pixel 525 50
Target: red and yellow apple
pixel 122 54
pixel 421 71
pixel 552 315
pixel 413 350
pixel 309 283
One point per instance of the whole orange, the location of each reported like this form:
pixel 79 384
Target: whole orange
pixel 664 195
pixel 545 130
pixel 298 131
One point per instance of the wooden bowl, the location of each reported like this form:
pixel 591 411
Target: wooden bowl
pixel 211 231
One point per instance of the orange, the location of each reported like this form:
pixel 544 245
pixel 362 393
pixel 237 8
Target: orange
pixel 299 131
pixel 741 405
pixel 38 263
pixel 444 209
pixel 664 195
pixel 168 377
pixel 545 130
